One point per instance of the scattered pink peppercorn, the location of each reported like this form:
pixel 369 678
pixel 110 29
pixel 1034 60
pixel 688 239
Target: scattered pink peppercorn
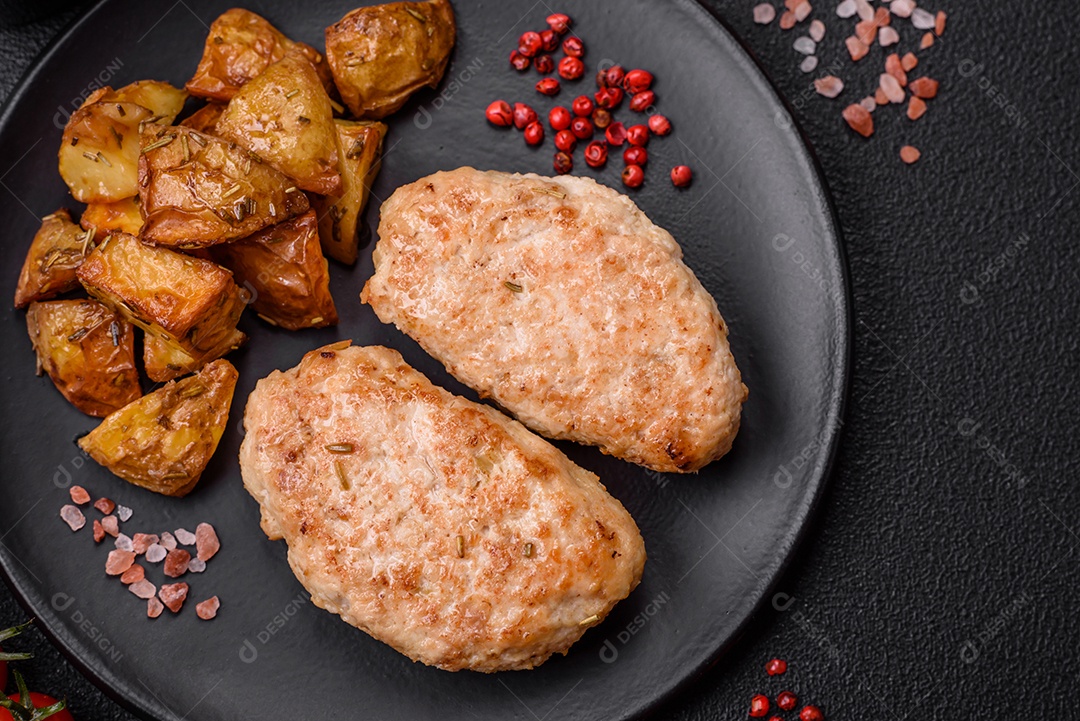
pixel 633 176
pixel 563 163
pixel 637 81
pixel 571 68
pixel 596 154
pixel 582 106
pixel 529 44
pixel 500 113
pixel 534 133
pixel 549 41
pixel 786 700
pixel 759 706
pixel 559 22
pixel 635 155
pixel 642 101
pixel 681 176
pixel 565 141
pixel 523 115
pixel 615 133
pixel 659 124
pixel 548 86
pixel 573 47
pixel 519 61
pixel 811 713
pixel 776 667
pixel 638 135
pixel 544 64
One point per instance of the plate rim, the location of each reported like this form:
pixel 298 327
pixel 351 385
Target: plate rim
pixel 837 399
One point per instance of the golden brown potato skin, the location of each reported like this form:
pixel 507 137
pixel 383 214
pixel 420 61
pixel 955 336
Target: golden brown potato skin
pixel 88 352
pixel 123 216
pixel 163 441
pixel 285 269
pixel 381 55
pixel 164 361
pixel 284 116
pixel 359 147
pixel 241 45
pixel 212 192
pixel 99 153
pixel 191 302
pixel 56 252
pixel 204 120
pixel 162 99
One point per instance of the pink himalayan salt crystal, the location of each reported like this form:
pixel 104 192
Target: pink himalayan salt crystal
pixel 73 517
pixel 208 608
pixel 79 495
pixel 154 607
pixel 764 14
pixel 888 36
pixel 206 541
pixel 830 86
pixel 891 87
pixel 817 30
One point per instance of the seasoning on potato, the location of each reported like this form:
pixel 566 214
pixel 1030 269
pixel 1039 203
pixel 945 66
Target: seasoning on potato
pixel 241 45
pixel 381 55
pixel 163 441
pixel 359 148
pixel 199 190
pixel 165 361
pixel 284 116
pixel 189 301
pixel 204 120
pixel 285 269
pixel 58 248
pixel 99 153
pixel 88 352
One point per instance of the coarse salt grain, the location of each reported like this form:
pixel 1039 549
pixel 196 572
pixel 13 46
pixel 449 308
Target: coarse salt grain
pixel 866 30
pixel 123 542
pixel 802 11
pixel 208 608
pixel 143 589
pixel 809 63
pixel 111 525
pixel 99 531
pixel 925 88
pixel 916 108
pixel 206 541
pixel 156 553
pixel 908 62
pixel 888 36
pixel 176 563
pixel 830 86
pixel 104 505
pixel 922 19
pixel 859 119
pixel 73 517
pixel 196 566
pixel 909 154
pixel 168 540
pixel 133 575
pixel 891 88
pixel 79 495
pixel 764 13
pixel 817 30
pixel 118 562
pixel 143 541
pixel 846 8
pixel 901 8
pixel 124 513
pixel 864 10
pixel 927 41
pixel 869 104
pixel 894 67
pixel 173 595
pixel 857 48
pixel 939 23
pixel 154 607
pixel 787 20
pixel 804 45
pixel 185 536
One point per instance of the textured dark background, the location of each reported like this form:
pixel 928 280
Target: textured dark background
pixel 938 577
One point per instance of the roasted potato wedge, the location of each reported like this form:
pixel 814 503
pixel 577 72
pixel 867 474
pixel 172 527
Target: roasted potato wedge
pixel 204 120
pixel 241 45
pixel 58 248
pixel 189 301
pixel 284 117
pixel 381 55
pixel 99 155
pixel 163 441
pixel 198 190
pixel 285 269
pixel 164 361
pixel 162 99
pixel 123 216
pixel 359 152
pixel 88 351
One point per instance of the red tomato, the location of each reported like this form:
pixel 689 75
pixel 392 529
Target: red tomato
pixel 39 700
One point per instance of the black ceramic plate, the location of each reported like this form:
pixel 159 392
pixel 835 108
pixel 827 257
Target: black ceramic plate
pixel 757 228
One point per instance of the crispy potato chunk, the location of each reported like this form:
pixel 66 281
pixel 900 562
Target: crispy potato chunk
pixel 284 117
pixel 360 152
pixel 164 361
pixel 58 248
pixel 189 301
pixel 123 216
pixel 285 269
pixel 162 99
pixel 204 120
pixel 163 441
pixel 99 155
pixel 198 190
pixel 88 351
pixel 241 45
pixel 381 55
